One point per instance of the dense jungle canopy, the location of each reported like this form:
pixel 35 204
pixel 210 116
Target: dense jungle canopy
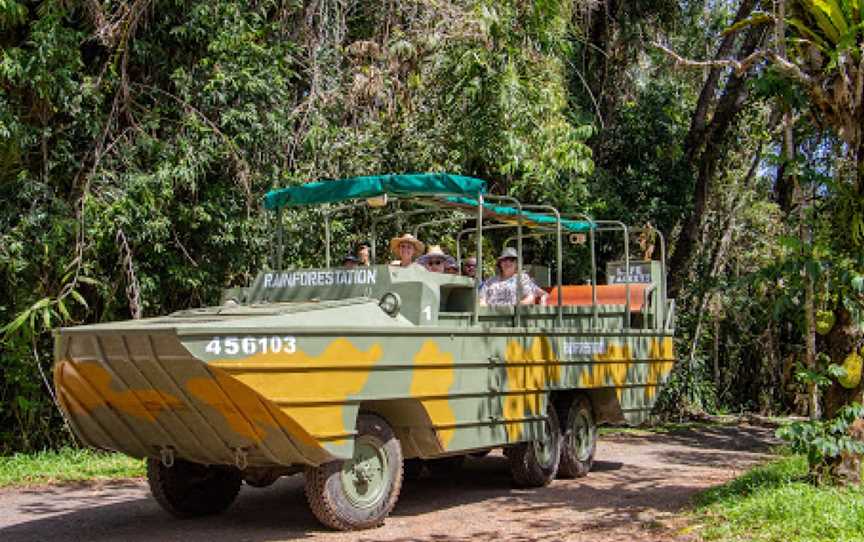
pixel 137 139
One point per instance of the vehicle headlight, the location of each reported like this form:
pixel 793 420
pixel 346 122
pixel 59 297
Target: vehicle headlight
pixel 390 303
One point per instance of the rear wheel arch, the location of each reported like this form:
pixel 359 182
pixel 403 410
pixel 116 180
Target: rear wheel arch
pixel 410 423
pixel 604 403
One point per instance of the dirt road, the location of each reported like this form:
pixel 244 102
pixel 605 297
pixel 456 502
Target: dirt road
pixel 638 485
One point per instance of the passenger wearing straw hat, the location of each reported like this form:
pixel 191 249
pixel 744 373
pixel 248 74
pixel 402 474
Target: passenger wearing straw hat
pixel 406 248
pixel 501 289
pixel 435 260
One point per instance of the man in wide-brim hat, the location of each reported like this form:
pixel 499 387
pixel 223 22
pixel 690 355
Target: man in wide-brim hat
pixel 435 260
pixel 406 248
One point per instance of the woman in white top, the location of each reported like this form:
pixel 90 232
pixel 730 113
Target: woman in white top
pixel 501 289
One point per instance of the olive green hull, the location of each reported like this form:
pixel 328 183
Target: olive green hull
pixel 266 391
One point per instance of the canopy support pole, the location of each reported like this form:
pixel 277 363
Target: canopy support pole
pixel 627 272
pixel 326 239
pixel 280 246
pixel 374 241
pixel 559 268
pixel 479 270
pixel 519 293
pixel 594 312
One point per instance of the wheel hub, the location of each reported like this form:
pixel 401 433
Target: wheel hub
pixel 581 437
pixel 543 447
pixel 365 477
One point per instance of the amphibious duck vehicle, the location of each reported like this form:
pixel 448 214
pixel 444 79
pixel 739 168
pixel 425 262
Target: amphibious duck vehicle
pixel 357 376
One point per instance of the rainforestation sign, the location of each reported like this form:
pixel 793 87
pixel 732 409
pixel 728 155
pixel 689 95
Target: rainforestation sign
pixel 333 277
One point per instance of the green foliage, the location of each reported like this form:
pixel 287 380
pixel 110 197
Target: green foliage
pixel 640 175
pixel 822 442
pixel 65 465
pixel 137 141
pixel 775 503
pixel 689 391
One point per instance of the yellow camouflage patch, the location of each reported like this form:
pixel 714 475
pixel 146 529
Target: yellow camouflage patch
pixel 245 411
pixel 612 369
pixel 318 397
pixel 528 370
pixel 437 381
pixel 89 385
pixel 662 356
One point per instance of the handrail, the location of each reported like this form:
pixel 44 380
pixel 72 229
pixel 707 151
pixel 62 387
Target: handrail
pixel 626 262
pixel 519 221
pixel 559 256
pixel 328 211
pixel 460 218
pixel 670 315
pixel 546 229
pixel 662 291
pixel 665 312
pixel 378 219
pixel 595 315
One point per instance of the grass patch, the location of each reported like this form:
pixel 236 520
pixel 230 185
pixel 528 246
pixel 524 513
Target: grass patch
pixel 66 464
pixel 776 503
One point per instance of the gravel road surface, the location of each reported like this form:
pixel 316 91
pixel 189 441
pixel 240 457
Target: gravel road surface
pixel 639 484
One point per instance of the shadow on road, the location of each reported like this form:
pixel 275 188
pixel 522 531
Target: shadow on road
pixel 616 493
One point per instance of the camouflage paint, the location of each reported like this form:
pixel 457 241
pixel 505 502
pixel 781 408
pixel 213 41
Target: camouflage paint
pixel 432 378
pixel 140 387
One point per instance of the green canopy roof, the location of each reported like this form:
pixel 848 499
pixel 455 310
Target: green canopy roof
pixel 417 184
pixel 503 212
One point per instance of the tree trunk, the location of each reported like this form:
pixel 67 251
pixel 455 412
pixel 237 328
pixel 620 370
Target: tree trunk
pixel 840 341
pixel 713 137
pixel 813 407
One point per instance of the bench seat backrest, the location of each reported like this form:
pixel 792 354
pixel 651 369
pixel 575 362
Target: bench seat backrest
pixel 611 294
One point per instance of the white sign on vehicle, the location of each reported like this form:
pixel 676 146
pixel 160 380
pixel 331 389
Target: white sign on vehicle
pixel 584 348
pixel 330 277
pixel 638 274
pixel 231 346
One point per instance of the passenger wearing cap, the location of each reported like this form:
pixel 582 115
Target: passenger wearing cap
pixel 501 289
pixel 435 260
pixel 350 261
pixel 406 248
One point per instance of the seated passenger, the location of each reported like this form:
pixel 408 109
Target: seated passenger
pixel 406 248
pixel 350 261
pixel 363 252
pixel 435 260
pixel 501 288
pixel 469 267
pixel 451 268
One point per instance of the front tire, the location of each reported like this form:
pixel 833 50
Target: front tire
pixel 187 489
pixel 579 440
pixel 358 493
pixel 535 463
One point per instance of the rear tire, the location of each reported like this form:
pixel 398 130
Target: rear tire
pixel 187 489
pixel 579 442
pixel 358 493
pixel 535 463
